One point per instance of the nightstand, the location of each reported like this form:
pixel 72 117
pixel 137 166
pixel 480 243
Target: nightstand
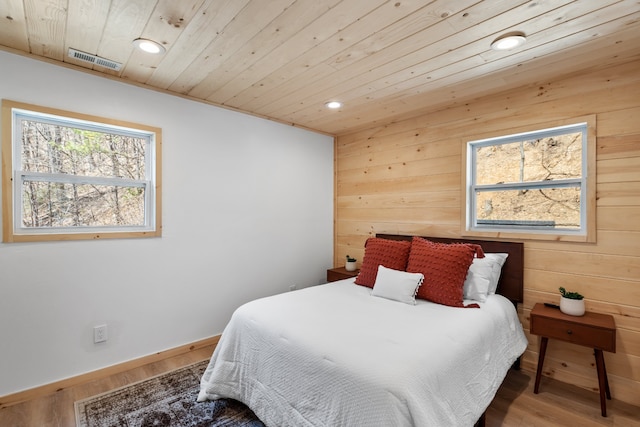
pixel 340 273
pixel 594 330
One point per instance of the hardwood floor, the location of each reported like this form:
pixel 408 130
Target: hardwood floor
pixel 57 410
pixel 557 404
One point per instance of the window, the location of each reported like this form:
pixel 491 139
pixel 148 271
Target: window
pixel 538 183
pixel 72 176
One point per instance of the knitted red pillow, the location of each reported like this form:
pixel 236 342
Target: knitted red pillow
pixel 444 267
pixel 388 253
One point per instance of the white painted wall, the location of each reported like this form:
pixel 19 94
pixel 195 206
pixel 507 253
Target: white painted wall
pixel 247 212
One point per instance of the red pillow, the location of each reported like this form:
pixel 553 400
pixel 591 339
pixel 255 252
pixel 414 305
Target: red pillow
pixel 444 267
pixel 388 253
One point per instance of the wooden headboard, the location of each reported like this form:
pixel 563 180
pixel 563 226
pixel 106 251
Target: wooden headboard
pixel 512 277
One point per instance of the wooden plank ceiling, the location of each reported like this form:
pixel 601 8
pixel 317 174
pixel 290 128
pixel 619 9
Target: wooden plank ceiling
pixel 284 59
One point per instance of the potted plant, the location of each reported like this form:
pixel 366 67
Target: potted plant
pixel 571 303
pixel 350 265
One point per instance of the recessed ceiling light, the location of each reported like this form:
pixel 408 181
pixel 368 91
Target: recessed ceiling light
pixel 333 104
pixel 508 41
pixel 149 46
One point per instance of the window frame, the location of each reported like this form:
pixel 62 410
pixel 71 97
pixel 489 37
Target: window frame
pixel 587 183
pixel 13 176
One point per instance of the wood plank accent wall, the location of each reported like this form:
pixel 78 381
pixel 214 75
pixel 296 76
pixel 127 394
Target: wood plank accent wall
pixel 404 178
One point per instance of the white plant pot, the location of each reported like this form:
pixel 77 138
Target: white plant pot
pixel 350 266
pixel 572 307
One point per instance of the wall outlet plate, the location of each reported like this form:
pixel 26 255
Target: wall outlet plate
pixel 100 333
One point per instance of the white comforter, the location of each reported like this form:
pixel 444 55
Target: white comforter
pixel 333 355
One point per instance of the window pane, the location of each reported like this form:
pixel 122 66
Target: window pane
pixel 50 148
pixel 50 204
pixel 544 208
pixel 544 159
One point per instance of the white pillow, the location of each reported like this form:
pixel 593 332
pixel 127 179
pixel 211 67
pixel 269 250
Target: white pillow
pixel 483 276
pixel 476 287
pixel 397 285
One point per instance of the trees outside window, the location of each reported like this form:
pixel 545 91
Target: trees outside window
pixel 532 183
pixel 71 176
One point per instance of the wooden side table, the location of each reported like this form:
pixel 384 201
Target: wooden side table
pixel 594 330
pixel 340 273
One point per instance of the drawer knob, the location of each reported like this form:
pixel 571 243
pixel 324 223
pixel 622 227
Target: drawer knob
pixel 569 331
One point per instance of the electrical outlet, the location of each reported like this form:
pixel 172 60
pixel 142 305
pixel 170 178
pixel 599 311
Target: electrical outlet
pixel 292 288
pixel 99 333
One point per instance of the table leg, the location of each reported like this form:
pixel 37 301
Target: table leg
pixel 603 381
pixel 543 350
pixel 606 378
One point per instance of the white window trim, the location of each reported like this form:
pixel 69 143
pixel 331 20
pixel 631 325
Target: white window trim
pixel 587 232
pixel 13 176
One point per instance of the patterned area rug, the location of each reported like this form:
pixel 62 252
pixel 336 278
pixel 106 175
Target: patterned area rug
pixel 166 400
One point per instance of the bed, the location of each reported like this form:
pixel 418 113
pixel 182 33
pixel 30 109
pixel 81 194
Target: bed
pixel 343 354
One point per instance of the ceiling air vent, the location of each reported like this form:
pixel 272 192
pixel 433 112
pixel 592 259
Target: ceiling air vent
pixel 94 59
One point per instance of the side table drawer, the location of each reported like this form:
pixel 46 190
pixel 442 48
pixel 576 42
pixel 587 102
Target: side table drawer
pixel 575 333
pixel 339 273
